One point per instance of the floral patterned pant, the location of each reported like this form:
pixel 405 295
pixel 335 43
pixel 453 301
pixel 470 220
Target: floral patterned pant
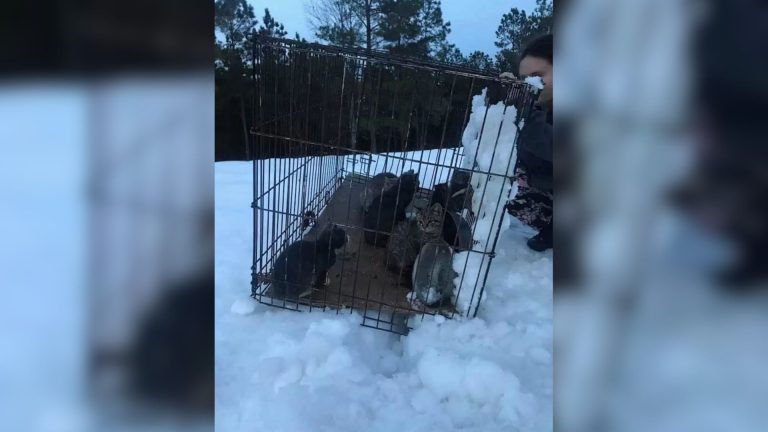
pixel 531 206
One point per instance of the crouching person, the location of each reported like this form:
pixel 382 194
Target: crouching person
pixel 534 169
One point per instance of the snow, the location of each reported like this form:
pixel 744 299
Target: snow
pixel 288 371
pixel 535 82
pixel 431 165
pixel 488 143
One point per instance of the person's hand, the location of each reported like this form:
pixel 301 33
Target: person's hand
pixel 507 75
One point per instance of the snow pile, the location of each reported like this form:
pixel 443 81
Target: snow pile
pixel 467 369
pixel 483 153
pixel 286 371
pixel 319 359
pixel 297 372
pixel 323 371
pixel 488 142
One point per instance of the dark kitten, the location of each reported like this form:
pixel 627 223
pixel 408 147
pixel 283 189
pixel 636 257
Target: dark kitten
pixel 457 232
pixel 305 263
pixel 455 195
pixel 378 184
pixel 388 209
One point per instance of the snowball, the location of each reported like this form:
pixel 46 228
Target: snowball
pixel 486 382
pixel 267 369
pixel 337 361
pixel 441 373
pixel 540 355
pixel 424 401
pixel 536 82
pixel 243 306
pixel 516 404
pixel 290 375
pixel 323 337
pixel 463 414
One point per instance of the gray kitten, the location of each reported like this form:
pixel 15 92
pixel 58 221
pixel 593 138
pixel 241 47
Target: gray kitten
pixel 433 274
pixel 410 235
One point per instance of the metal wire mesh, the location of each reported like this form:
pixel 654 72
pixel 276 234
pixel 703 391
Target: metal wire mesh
pixel 326 121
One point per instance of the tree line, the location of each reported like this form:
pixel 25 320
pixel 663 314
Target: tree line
pixel 413 28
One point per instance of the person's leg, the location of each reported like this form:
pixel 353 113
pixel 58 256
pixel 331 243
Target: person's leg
pixel 543 240
pixel 534 208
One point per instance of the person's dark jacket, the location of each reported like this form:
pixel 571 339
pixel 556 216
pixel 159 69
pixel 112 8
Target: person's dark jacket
pixel 534 150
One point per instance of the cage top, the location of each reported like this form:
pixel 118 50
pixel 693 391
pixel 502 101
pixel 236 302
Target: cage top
pixel 384 57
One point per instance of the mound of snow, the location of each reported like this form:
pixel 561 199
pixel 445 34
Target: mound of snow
pixel 244 306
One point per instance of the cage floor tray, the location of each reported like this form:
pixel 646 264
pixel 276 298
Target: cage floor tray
pixel 360 279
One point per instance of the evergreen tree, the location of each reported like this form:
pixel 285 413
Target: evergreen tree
pixel 368 13
pixel 517 28
pixel 480 61
pixel 270 27
pixel 336 22
pixel 434 30
pixel 235 21
pixel 413 27
pixel 236 25
pixel 449 53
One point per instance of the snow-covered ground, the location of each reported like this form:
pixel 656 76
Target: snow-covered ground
pixel 286 371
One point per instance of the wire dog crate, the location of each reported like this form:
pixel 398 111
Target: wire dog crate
pixel 338 136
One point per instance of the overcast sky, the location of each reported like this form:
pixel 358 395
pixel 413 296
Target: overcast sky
pixel 473 22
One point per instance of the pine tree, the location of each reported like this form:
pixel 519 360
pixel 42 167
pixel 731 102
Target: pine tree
pixel 335 21
pixel 413 27
pixel 480 61
pixel 434 30
pixel 368 14
pixel 517 28
pixel 449 53
pixel 235 22
pixel 270 27
pixel 236 26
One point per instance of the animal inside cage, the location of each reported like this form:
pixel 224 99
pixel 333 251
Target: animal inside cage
pixel 379 181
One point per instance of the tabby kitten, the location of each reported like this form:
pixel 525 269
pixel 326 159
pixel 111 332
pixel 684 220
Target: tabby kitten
pixel 410 235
